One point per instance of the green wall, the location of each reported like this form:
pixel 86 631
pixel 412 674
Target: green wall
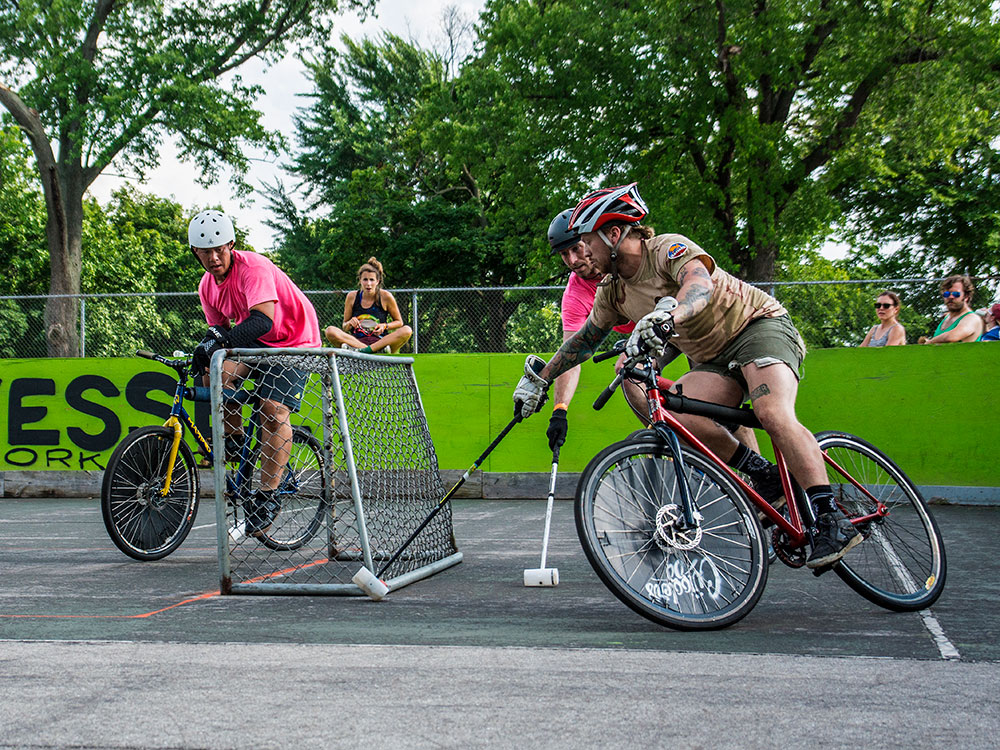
pixel 935 410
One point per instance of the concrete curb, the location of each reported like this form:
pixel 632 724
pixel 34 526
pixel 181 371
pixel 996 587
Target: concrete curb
pixel 480 485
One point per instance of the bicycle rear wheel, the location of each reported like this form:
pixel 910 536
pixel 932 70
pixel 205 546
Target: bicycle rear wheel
pixel 700 579
pixel 141 521
pixel 301 496
pixel 901 564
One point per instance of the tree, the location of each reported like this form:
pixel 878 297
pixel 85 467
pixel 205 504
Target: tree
pixel 741 120
pixel 94 82
pixel 22 218
pixel 386 146
pixel 943 214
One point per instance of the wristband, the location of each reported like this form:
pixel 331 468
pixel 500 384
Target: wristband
pixel 564 407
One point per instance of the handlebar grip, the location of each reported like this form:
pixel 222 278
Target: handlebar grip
pixel 617 348
pixel 144 354
pixel 607 392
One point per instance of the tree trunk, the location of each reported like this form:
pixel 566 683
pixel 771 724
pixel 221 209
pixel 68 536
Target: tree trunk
pixel 760 266
pixel 64 231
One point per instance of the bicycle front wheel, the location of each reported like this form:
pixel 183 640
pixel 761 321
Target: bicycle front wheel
pixel 301 496
pixel 144 523
pixel 627 508
pixel 901 564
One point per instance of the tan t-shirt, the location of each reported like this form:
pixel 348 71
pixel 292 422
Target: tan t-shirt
pixel 733 305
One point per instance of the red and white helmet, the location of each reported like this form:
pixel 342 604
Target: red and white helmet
pixel 621 203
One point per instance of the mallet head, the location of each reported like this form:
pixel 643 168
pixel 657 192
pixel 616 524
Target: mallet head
pixel 370 584
pixel 541 576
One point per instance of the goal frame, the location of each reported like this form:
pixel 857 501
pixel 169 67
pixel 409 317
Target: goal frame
pixel 335 426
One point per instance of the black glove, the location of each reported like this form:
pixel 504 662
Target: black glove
pixel 214 340
pixel 558 427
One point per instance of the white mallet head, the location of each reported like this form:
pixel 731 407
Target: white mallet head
pixel 370 584
pixel 541 576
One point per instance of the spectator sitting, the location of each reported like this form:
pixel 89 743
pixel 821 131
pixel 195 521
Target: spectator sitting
pixel 888 332
pixel 371 316
pixel 992 318
pixel 961 323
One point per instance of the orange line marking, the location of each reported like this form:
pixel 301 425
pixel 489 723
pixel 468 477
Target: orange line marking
pixel 200 597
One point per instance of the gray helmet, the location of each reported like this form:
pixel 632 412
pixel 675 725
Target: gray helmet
pixel 560 235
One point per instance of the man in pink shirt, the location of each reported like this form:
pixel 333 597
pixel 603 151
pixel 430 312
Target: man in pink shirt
pixel 250 303
pixel 577 301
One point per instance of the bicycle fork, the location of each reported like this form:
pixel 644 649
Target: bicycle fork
pixel 670 437
pixel 175 424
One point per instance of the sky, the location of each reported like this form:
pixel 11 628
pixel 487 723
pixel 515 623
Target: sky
pixel 284 85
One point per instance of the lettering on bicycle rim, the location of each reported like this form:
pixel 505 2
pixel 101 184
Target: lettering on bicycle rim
pixel 698 579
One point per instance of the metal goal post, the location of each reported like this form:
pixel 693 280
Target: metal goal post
pixel 328 465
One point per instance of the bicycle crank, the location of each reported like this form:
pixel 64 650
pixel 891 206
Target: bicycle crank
pixel 793 557
pixel 671 533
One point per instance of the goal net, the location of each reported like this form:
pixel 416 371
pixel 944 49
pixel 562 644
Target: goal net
pixel 302 502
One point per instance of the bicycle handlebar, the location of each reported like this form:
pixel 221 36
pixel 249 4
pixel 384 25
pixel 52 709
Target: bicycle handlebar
pixel 617 348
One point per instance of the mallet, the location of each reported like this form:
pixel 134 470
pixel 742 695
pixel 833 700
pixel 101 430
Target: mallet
pixel 371 583
pixel 542 576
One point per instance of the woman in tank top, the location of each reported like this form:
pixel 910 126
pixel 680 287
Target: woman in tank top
pixel 888 332
pixel 372 321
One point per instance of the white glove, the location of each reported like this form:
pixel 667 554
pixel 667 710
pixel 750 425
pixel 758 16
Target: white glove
pixel 531 391
pixel 653 329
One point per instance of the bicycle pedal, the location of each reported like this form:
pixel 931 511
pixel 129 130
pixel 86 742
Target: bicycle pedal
pixel 821 570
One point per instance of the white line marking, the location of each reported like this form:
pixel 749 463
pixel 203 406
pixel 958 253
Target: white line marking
pixel 945 647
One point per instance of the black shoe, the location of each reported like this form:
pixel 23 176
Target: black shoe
pixel 260 512
pixel 835 535
pixel 768 486
pixel 234 447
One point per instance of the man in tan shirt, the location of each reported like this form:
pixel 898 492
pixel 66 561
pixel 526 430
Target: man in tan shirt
pixel 742 339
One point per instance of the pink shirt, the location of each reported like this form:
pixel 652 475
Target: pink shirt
pixel 254 279
pixel 577 301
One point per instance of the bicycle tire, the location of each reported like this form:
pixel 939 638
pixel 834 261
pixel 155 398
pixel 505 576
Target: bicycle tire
pixel 301 494
pixel 901 564
pixel 140 521
pixel 713 584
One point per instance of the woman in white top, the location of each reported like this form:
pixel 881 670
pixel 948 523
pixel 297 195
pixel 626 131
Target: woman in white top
pixel 888 332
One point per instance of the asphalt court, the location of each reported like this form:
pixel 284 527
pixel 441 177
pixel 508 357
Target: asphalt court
pixel 63 580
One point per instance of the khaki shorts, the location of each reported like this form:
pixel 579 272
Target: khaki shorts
pixel 765 341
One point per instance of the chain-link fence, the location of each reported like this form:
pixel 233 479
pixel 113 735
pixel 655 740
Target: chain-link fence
pixel 462 319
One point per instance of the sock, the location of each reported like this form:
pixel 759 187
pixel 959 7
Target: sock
pixel 749 462
pixel 822 499
pixel 366 350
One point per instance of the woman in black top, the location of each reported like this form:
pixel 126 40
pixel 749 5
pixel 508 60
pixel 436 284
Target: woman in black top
pixel 371 316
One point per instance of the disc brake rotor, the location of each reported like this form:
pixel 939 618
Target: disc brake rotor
pixel 670 532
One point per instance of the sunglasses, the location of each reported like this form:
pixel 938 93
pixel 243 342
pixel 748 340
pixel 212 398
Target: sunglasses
pixel 946 295
pixel 883 305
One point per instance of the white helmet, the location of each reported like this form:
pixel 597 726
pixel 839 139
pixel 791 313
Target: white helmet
pixel 211 229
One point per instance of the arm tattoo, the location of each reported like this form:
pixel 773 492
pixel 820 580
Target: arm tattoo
pixel 760 390
pixel 579 348
pixel 696 290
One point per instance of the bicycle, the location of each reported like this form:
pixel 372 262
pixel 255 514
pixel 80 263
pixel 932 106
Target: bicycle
pixel 675 533
pixel 150 492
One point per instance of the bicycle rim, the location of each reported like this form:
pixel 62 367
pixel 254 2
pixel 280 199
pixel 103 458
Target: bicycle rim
pixel 301 496
pixel 901 564
pixel 712 584
pixel 143 523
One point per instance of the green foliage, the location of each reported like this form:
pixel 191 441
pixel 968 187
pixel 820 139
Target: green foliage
pixel 743 122
pixel 22 218
pixel 137 244
pixel 105 81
